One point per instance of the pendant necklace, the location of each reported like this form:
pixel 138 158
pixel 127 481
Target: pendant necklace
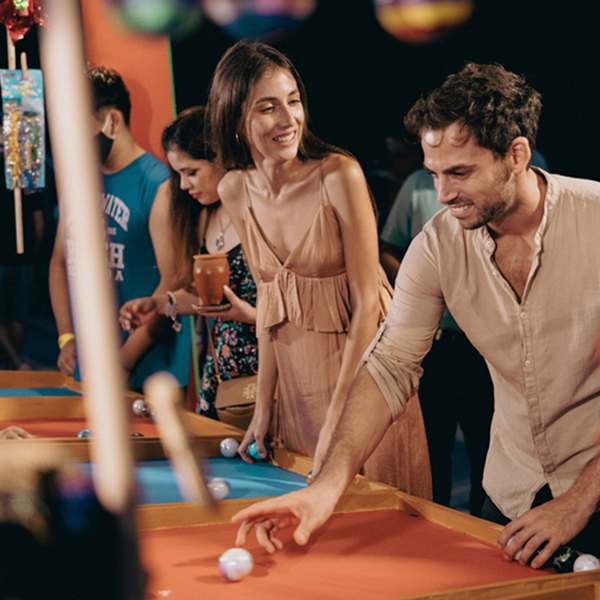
pixel 220 239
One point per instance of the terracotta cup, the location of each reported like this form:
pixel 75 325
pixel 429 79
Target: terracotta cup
pixel 211 273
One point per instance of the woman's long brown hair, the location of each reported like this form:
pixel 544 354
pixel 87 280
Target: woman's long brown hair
pixel 186 134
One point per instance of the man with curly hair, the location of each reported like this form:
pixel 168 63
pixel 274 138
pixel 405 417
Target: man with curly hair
pixel 506 256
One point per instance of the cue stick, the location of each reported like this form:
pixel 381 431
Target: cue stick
pixel 94 303
pixel 18 198
pixel 164 398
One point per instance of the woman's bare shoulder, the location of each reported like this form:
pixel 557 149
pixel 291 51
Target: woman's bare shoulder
pixel 231 189
pixel 342 175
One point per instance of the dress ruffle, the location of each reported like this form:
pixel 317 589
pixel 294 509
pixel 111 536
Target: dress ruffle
pixel 320 304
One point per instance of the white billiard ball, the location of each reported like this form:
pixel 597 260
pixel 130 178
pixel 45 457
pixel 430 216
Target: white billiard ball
pixel 235 563
pixel 586 562
pixel 218 487
pixel 140 408
pixel 229 447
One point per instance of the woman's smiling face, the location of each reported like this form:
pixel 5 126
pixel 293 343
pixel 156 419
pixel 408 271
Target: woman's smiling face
pixel 275 117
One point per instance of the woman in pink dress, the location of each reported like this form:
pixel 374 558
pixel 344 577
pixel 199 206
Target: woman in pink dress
pixel 305 217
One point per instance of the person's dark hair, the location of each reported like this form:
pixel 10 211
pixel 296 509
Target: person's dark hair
pixel 496 105
pixel 186 134
pixel 239 69
pixel 109 89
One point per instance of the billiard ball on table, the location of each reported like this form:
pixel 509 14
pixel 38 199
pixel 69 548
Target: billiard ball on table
pixel 229 447
pixel 235 564
pixel 254 453
pixel 586 562
pixel 140 408
pixel 218 487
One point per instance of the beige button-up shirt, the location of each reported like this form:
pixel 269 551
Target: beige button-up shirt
pixel 540 351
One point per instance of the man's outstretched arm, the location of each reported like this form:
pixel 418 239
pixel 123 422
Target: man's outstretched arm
pixel 384 383
pixel 361 427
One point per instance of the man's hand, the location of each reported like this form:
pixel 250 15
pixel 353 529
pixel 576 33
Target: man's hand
pixel 306 510
pixel 554 523
pixel 14 433
pixel 238 310
pixel 67 358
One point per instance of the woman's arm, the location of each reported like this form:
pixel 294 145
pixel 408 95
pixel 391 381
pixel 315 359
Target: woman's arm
pixel 347 189
pixel 231 192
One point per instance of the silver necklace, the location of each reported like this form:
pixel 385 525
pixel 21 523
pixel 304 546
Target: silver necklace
pixel 220 239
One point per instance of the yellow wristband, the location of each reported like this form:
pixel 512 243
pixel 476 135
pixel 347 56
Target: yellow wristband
pixel 64 339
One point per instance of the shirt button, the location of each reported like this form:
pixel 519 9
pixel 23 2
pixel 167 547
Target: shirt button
pixel 522 314
pixel 527 363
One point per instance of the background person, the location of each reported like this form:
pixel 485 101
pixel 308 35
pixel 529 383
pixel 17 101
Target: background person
pixel 136 207
pixel 201 225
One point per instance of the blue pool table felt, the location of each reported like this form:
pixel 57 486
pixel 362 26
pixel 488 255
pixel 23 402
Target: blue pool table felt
pixel 45 391
pixel 157 483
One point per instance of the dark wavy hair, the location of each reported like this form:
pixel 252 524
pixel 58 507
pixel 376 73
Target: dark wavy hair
pixel 109 89
pixel 238 71
pixel 186 134
pixel 496 105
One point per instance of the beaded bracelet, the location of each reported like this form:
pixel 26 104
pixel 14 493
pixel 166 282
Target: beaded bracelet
pixel 171 311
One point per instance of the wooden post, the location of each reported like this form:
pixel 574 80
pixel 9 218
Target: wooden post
pixel 165 400
pixel 76 161
pixel 12 65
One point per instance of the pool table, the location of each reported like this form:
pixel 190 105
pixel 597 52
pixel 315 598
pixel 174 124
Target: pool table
pixel 51 407
pixel 379 544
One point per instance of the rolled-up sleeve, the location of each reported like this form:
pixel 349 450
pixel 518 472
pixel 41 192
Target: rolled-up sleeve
pixel 394 357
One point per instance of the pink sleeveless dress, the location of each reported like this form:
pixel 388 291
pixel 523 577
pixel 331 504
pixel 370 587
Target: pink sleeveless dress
pixel 304 306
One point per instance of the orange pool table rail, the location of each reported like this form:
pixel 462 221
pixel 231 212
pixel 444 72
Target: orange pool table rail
pixel 67 413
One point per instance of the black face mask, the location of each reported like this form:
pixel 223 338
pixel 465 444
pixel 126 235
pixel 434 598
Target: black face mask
pixel 105 145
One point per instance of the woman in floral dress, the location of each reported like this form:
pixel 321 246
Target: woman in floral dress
pixel 200 224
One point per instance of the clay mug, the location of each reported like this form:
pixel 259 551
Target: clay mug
pixel 211 273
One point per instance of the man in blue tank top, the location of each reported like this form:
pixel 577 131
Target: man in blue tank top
pixel 136 203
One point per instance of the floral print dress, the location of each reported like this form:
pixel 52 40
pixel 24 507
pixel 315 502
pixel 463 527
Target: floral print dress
pixel 235 343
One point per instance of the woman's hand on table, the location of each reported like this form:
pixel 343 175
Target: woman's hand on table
pixel 14 433
pixel 236 310
pixel 137 312
pixel 256 432
pixel 306 510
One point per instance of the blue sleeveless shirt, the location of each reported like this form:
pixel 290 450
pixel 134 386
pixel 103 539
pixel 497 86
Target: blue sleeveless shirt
pixel 128 198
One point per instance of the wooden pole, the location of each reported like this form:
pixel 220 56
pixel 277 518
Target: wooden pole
pixel 78 179
pixel 164 397
pixel 18 198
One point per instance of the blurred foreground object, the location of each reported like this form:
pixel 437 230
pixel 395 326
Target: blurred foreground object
pixel 158 17
pixel 19 15
pixel 258 19
pixel 422 21
pixel 57 539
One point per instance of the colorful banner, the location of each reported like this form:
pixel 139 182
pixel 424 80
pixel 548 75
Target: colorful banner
pixel 23 128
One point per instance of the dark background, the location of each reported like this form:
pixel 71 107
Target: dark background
pixel 361 80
